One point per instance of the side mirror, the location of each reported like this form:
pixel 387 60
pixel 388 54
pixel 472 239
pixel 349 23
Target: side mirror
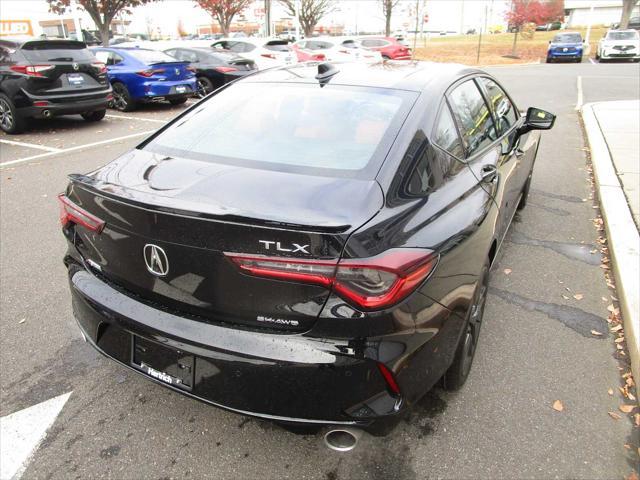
pixel 537 119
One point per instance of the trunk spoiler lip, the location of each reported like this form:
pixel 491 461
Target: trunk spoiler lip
pixel 94 186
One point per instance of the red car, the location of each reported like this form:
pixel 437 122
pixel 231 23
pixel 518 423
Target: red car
pixel 307 55
pixel 389 47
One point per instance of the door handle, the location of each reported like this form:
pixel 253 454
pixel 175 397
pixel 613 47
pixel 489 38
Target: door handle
pixel 489 173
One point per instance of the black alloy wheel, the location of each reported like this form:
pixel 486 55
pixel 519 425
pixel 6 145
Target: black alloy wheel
pixel 204 87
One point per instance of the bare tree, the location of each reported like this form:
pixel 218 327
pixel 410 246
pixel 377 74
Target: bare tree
pixel 224 11
pixel 102 12
pixel 627 8
pixel 387 10
pixel 309 12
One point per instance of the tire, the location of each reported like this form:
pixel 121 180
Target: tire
pixel 549 60
pixel 10 121
pixel 579 60
pixel 178 101
pixel 95 116
pixel 204 87
pixel 458 372
pixel 122 99
pixel 525 193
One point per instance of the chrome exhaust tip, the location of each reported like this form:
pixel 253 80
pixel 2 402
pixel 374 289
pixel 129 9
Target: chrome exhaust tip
pixel 342 439
pixel 46 113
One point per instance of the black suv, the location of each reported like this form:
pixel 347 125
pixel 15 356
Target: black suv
pixel 46 78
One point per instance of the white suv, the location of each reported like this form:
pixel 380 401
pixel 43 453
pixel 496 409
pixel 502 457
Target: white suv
pixel 340 49
pixel 619 44
pixel 265 52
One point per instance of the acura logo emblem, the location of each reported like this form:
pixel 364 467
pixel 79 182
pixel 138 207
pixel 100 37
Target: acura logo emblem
pixel 76 66
pixel 156 260
pixel 177 70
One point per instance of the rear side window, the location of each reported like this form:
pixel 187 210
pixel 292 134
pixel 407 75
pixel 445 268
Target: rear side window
pixel 279 126
pixel 446 135
pixel 473 116
pixel 506 114
pixel 241 47
pixel 56 52
pixel 278 46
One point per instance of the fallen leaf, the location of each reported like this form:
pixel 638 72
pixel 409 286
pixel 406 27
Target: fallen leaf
pixel 565 297
pixel 619 340
pixel 507 271
pixel 637 419
pixel 626 408
pixel 558 406
pixel 632 476
pixel 614 415
pixel 596 333
pixel 631 396
pixel 22 320
pixel 617 328
pixel 627 446
pixel 578 296
pixel 610 391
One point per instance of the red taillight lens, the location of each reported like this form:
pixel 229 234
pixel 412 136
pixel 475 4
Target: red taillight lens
pixel 226 69
pixel 32 70
pixel 319 56
pixel 101 67
pixel 269 55
pixel 151 72
pixel 371 283
pixel 72 213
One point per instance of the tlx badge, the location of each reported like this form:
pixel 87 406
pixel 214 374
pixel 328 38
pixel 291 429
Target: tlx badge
pixel 273 245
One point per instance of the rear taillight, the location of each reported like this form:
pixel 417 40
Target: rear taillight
pixel 370 283
pixel 32 70
pixel 269 55
pixel 319 57
pixel 101 67
pixel 151 72
pixel 72 213
pixel 225 69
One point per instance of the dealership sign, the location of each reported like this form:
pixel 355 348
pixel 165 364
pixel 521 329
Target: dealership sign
pixel 15 27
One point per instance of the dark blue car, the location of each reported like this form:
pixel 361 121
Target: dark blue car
pixel 566 46
pixel 139 75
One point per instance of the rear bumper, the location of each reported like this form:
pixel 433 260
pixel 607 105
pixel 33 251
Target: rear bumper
pixel 66 104
pixel 286 378
pixel 620 55
pixel 166 89
pixel 573 55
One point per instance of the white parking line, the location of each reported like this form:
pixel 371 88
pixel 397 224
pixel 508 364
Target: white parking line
pixel 126 117
pixel 580 99
pixel 73 149
pixel 592 61
pixel 30 145
pixel 22 432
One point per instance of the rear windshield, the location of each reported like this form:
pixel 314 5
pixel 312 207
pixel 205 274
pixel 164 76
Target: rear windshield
pixel 622 35
pixel 335 130
pixel 278 46
pixel 150 56
pixel 56 52
pixel 568 38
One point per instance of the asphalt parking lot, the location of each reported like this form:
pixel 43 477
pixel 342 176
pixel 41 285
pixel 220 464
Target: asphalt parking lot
pixel 536 346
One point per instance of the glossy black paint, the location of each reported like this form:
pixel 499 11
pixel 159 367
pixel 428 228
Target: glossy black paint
pixel 52 87
pixel 324 369
pixel 207 62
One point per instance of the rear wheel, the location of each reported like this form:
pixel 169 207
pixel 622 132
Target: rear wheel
pixel 121 98
pixel 458 372
pixel 579 60
pixel 94 116
pixel 549 59
pixel 10 120
pixel 178 101
pixel 204 87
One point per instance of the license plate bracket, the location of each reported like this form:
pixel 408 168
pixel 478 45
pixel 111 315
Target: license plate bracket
pixel 181 89
pixel 75 79
pixel 168 365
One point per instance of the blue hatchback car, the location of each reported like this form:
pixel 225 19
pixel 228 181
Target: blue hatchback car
pixel 566 46
pixel 139 75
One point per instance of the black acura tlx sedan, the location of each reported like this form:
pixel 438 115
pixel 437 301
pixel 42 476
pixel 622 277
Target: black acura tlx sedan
pixel 310 244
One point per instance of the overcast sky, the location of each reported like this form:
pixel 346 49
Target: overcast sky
pixel 365 14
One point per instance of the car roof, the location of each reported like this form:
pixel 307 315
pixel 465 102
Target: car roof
pixel 404 75
pixel 258 41
pixel 628 30
pixel 19 42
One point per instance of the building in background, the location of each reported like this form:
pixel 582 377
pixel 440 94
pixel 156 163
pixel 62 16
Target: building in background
pixel 605 12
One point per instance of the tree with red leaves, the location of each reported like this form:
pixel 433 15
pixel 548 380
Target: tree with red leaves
pixel 224 11
pixel 102 12
pixel 532 11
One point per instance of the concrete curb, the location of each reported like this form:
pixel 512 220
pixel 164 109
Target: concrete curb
pixel 622 234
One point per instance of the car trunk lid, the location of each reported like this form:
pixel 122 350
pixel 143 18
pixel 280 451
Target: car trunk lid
pixel 189 213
